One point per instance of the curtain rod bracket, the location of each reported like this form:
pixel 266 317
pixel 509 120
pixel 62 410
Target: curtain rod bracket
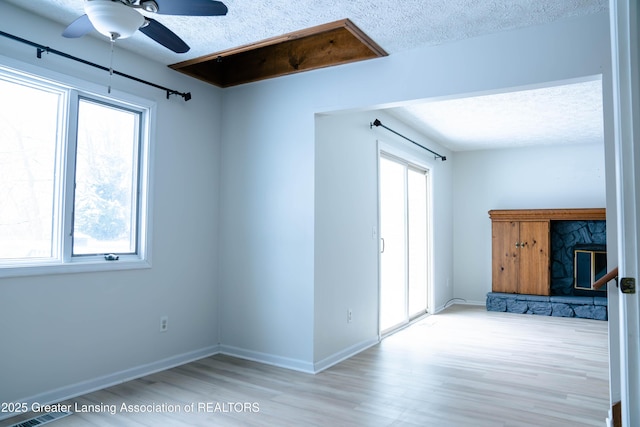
pixel 185 95
pixel 377 122
pixel 40 50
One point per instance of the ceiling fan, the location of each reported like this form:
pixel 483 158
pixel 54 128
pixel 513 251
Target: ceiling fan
pixel 119 19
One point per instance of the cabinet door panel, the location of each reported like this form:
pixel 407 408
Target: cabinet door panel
pixel 505 256
pixel 533 272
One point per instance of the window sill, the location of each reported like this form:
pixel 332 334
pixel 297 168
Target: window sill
pixel 84 266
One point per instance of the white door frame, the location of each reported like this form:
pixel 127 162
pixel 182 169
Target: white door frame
pixel 626 84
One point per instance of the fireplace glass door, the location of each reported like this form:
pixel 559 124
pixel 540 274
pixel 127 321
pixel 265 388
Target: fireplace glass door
pixel 589 265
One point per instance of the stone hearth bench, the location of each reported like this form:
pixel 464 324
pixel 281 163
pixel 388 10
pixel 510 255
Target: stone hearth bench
pixel 559 306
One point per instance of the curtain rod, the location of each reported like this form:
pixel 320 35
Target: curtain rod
pixel 377 122
pixel 41 48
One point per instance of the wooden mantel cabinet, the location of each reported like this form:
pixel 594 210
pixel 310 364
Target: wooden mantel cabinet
pixel 521 247
pixel 520 251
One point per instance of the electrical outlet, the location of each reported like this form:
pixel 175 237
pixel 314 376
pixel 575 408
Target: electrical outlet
pixel 164 323
pixel 349 315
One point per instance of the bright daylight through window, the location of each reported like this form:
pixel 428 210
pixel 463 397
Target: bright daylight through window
pixel 104 218
pixel 73 176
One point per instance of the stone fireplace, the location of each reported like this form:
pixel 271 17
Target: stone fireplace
pixel 575 238
pixel 567 237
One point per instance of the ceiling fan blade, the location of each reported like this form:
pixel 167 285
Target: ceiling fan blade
pixel 78 28
pixel 191 7
pixel 164 36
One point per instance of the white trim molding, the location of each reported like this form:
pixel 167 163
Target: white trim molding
pixel 268 359
pixel 84 387
pixel 626 84
pixel 343 355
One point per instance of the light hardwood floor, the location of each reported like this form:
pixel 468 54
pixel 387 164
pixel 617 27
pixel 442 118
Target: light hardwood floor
pixel 462 367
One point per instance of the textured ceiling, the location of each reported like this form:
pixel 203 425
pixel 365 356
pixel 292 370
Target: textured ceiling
pixel 566 114
pixel 394 25
pixel 397 26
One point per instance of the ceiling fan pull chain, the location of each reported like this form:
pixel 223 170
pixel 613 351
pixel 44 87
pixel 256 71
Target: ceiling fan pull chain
pixel 113 42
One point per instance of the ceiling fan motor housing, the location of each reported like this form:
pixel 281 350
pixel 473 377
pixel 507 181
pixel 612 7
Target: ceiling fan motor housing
pixel 149 6
pixel 113 18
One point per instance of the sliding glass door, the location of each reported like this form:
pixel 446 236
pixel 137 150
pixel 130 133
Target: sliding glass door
pixel 404 241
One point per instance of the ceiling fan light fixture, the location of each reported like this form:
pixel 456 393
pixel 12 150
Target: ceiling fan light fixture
pixel 113 18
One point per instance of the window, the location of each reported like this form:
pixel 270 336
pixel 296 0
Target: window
pixel 106 179
pixel 28 159
pixel 74 186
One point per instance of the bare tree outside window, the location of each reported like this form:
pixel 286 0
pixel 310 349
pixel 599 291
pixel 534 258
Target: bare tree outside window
pixel 28 141
pixel 106 179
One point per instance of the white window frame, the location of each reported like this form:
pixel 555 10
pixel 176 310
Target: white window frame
pixel 74 89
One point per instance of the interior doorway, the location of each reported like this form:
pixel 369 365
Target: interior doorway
pixel 404 241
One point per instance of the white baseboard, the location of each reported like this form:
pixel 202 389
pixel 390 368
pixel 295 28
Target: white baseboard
pixel 99 383
pixel 472 303
pixel 439 308
pixel 296 364
pixel 456 301
pixel 338 357
pixel 268 359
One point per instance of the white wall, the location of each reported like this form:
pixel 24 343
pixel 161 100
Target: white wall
pixel 346 238
pixel 64 334
pixel 266 234
pixel 346 229
pixel 571 176
pixel 268 201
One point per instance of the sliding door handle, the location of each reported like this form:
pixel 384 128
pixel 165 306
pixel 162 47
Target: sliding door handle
pixel 382 241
